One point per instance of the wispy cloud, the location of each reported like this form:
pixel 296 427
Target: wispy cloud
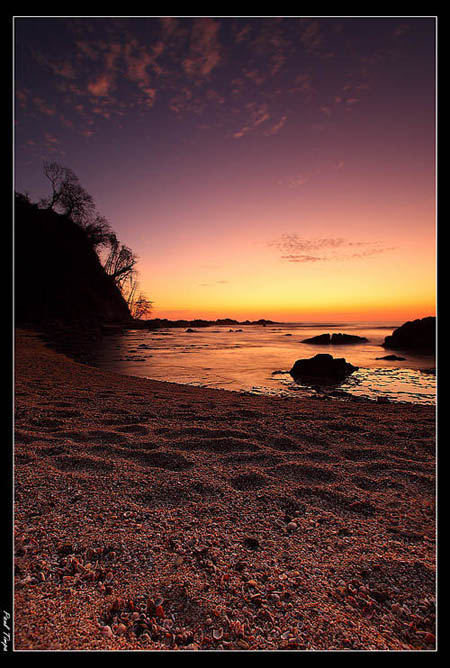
pixel 257 114
pixel 274 130
pixel 212 283
pixel 294 248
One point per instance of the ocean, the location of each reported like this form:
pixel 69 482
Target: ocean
pixel 257 359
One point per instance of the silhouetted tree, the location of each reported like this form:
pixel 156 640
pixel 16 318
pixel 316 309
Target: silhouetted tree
pixel 138 304
pixel 68 195
pixel 99 232
pixel 55 173
pixel 120 263
pixel 140 307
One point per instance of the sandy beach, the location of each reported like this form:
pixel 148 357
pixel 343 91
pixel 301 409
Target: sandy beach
pixel 158 516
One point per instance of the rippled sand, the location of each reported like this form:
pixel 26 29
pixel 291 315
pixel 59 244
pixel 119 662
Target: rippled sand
pixel 226 521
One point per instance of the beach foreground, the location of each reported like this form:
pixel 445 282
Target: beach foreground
pixel 152 515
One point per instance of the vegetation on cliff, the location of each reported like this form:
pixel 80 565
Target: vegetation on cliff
pixel 69 264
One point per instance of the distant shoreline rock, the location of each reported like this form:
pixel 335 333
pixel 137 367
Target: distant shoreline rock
pixel 335 339
pixel 325 367
pixel 417 334
pixel 391 358
pixel 163 323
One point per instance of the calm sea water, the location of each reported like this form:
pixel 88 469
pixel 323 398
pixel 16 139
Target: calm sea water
pixel 246 358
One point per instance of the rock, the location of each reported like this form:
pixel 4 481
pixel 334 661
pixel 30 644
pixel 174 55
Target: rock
pixel 324 366
pixel 414 335
pixel 335 339
pixel 189 330
pixel 391 358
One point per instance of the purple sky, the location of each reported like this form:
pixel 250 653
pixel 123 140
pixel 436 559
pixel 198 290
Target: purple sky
pixel 271 167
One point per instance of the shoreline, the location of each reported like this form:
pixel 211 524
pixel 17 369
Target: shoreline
pixel 262 523
pixel 79 348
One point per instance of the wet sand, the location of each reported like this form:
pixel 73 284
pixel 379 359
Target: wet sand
pixel 157 516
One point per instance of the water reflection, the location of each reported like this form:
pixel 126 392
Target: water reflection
pixel 246 359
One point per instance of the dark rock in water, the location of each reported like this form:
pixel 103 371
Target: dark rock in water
pixel 414 335
pixel 189 330
pixel 322 366
pixel 391 358
pixel 335 339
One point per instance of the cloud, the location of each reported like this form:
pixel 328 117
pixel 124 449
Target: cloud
pixel 22 96
pixel 258 114
pixel 325 249
pixel 52 144
pixel 205 51
pixel 51 138
pixel 43 107
pixel 86 49
pixel 140 61
pixel 274 130
pixel 64 69
pixel 311 38
pixel 211 284
pixel 298 180
pixel 266 67
pixel 101 86
pixel 314 41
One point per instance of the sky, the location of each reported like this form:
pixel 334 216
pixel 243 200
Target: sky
pixel 277 168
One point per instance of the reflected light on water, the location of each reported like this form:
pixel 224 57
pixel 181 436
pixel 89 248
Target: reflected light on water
pixel 244 358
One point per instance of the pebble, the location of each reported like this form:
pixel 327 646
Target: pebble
pixel 159 611
pixel 107 632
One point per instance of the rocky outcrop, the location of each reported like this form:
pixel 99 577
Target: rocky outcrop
pixel 59 279
pixel 322 367
pixel 335 339
pixel 414 335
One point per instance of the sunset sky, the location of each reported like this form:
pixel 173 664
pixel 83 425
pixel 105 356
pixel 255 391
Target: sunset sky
pixel 259 167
